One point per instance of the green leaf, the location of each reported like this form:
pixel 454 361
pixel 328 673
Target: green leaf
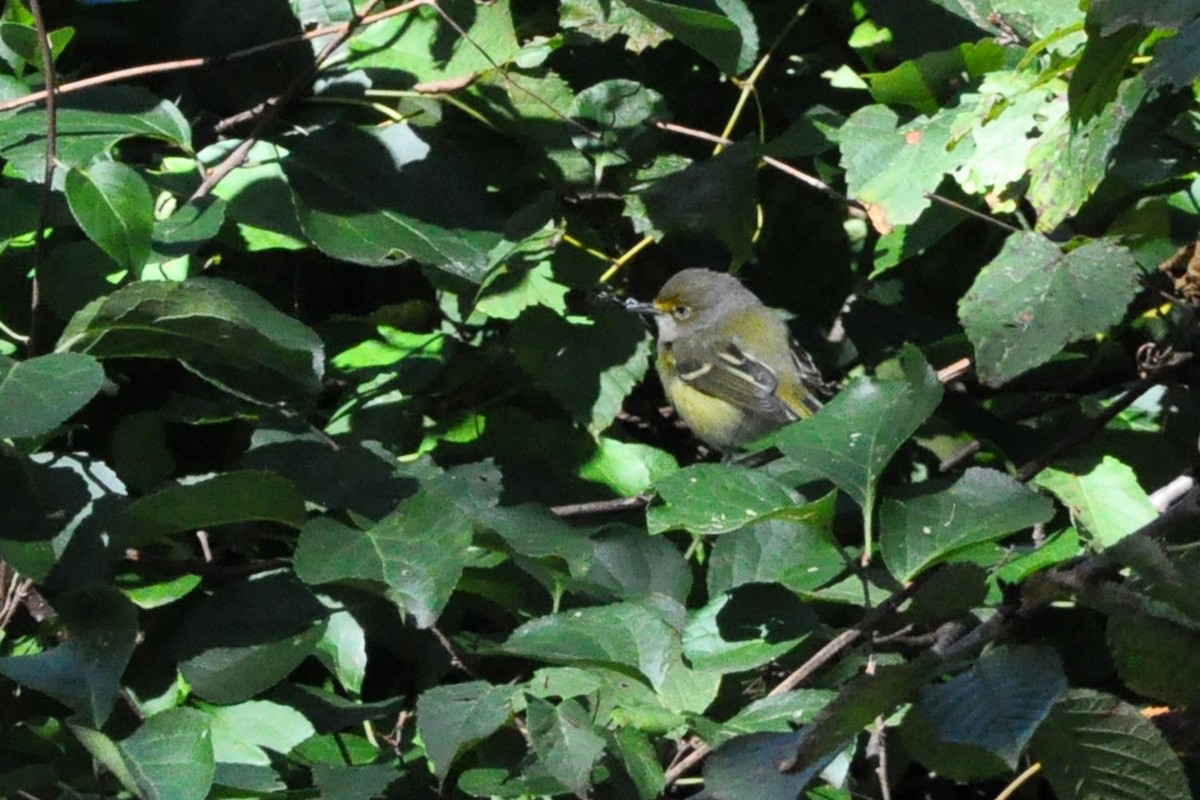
pixel 343 650
pixel 337 782
pixel 628 468
pixel 1154 656
pixel 224 331
pixel 745 628
pixel 1176 61
pixel 928 82
pixel 90 124
pixel 20 214
pixel 422 546
pixel 84 672
pixel 715 498
pixel 857 705
pixel 422 44
pixel 1094 746
pixel 686 690
pixel 717 196
pixel 635 750
pixel 39 394
pixel 419 550
pixel 1162 576
pixel 257 196
pixel 565 741
pixel 588 366
pixel 892 168
pixel 1014 111
pixel 1097 77
pixel 748 766
pixel 331 551
pixel 48 500
pixel 188 228
pixel 930 522
pixel 1112 15
pixel 979 723
pixel 222 499
pixel 1059 186
pixel 241 733
pixel 171 756
pixel 453 718
pixel 722 31
pixel 795 549
pixel 248 636
pixel 105 751
pixel 603 21
pixel 631 565
pixel 517 289
pixel 777 713
pixel 1032 300
pixel 620 115
pixel 382 198
pixel 113 205
pixel 1107 503
pixel 853 438
pixel 633 635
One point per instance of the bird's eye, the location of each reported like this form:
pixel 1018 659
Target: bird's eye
pixel 681 312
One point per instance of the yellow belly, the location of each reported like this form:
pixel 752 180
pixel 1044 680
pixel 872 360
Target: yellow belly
pixel 716 422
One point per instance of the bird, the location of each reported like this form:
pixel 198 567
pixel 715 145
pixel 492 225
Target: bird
pixel 726 361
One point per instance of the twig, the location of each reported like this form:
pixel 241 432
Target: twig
pixel 881 760
pixel 749 86
pixel 972 212
pixel 952 372
pixel 1164 496
pixel 301 84
pixel 1019 781
pixel 626 257
pixel 447 645
pixel 179 65
pixel 33 345
pixel 805 670
pixel 601 506
pixel 1083 433
pixel 783 167
pixel 956 460
pixel 574 123
pixel 814 182
pixel 15 588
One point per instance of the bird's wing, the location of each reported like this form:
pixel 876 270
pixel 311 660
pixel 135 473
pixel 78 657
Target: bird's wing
pixel 724 370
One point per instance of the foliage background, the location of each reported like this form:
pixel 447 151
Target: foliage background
pixel 331 467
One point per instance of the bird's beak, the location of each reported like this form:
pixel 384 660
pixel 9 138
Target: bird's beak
pixel 635 307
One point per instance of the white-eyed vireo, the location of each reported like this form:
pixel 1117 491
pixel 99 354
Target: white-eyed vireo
pixel 726 361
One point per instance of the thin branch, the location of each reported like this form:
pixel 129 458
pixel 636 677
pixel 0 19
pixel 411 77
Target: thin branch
pixel 957 459
pixel 1019 781
pixel 301 84
pixel 182 64
pixel 447 645
pixel 814 182
pixel 508 78
pixel 749 86
pixel 806 670
pixel 1092 427
pixel 33 345
pixel 626 257
pixel 972 212
pixel 1164 496
pixel 601 506
pixel 881 765
pixel 952 372
pixel 783 167
pixel 692 132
